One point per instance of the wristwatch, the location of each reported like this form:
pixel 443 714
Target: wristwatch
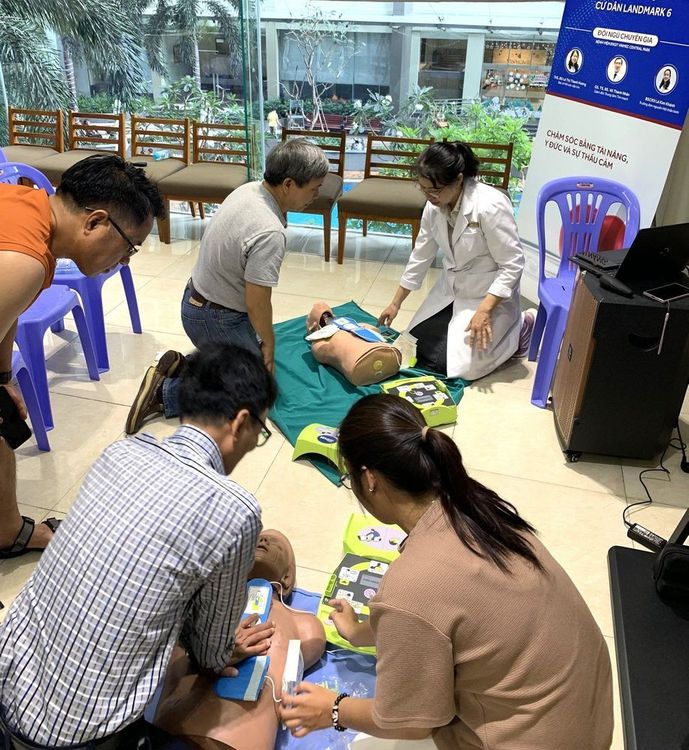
pixel 5 377
pixel 335 713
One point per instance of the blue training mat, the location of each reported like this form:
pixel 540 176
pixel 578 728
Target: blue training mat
pixel 342 671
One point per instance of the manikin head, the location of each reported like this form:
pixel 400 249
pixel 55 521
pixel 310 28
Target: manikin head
pixel 275 560
pixel 295 171
pixel 316 313
pixel 104 210
pixel 226 391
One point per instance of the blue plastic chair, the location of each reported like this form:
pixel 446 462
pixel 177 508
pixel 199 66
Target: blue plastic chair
pixel 51 306
pixel 90 289
pixel 583 202
pixel 23 375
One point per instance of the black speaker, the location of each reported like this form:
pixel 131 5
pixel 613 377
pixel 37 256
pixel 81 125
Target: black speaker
pixel 617 391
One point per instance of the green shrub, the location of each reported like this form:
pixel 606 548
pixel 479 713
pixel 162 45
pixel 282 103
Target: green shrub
pixel 102 103
pixel 282 108
pixel 328 106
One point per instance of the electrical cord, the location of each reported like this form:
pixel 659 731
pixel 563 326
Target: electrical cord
pixel 272 686
pixel 678 444
pixel 684 464
pixel 282 601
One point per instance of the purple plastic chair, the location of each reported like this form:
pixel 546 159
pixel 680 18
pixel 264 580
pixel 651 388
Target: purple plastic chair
pixel 23 375
pixel 583 202
pixel 51 306
pixel 90 289
pixel 11 172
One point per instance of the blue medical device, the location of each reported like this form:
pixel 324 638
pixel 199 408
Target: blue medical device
pixel 246 686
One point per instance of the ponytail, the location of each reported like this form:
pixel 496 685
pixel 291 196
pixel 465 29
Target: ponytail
pixel 488 525
pixel 443 163
pixel 387 434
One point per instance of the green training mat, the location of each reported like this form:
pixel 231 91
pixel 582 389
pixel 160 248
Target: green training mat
pixel 309 392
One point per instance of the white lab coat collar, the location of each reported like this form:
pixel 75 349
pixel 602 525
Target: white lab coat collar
pixel 468 214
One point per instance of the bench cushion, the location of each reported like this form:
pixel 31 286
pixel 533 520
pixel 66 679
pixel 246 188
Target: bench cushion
pixel 210 181
pixel 30 155
pixel 330 191
pixel 158 170
pixel 55 166
pixel 396 199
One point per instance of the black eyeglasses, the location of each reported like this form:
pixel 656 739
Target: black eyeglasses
pixel 133 249
pixel 265 433
pixel 346 480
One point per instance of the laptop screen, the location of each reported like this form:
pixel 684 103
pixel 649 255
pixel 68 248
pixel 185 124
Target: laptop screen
pixel 657 256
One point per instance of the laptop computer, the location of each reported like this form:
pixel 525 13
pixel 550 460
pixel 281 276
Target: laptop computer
pixel 657 256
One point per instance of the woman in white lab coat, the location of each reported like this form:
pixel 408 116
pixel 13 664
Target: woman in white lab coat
pixel 470 323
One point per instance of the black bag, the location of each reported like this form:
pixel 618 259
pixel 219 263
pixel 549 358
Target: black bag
pixel 671 566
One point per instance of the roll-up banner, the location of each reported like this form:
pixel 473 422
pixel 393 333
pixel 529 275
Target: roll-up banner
pixel 616 101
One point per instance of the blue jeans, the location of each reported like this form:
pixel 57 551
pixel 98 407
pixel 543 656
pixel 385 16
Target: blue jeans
pixel 205 325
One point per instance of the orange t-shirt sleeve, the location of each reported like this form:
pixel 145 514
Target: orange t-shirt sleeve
pixel 26 225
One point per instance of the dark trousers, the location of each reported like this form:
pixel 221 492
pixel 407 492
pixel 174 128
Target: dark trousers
pixel 431 345
pixel 140 735
pixel 209 325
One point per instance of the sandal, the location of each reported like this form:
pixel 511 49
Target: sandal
pixel 24 537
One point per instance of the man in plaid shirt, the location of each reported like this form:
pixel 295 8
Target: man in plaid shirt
pixel 155 550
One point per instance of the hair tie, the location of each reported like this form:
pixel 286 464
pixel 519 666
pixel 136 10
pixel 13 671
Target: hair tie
pixel 424 432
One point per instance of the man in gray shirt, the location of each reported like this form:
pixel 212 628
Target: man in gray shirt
pixel 228 298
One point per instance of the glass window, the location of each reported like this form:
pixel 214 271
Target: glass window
pixel 515 73
pixel 363 66
pixel 220 69
pixel 441 66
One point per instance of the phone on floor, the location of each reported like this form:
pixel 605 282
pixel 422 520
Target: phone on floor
pixel 12 427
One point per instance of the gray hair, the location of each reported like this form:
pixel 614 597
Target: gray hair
pixel 297 158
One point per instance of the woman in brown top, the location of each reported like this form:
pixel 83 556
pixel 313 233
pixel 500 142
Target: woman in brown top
pixel 483 641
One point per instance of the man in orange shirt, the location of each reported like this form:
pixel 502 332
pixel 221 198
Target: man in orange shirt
pixel 100 214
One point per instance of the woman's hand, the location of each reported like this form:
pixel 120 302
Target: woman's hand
pixel 308 710
pixel 348 625
pixel 480 329
pixel 389 314
pixel 251 639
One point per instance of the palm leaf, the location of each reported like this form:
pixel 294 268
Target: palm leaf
pixel 99 32
pixel 228 24
pixel 32 66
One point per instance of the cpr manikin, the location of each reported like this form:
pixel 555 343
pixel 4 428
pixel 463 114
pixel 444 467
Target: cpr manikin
pixel 189 706
pixel 356 350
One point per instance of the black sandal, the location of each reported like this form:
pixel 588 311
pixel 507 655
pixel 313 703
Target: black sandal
pixel 19 547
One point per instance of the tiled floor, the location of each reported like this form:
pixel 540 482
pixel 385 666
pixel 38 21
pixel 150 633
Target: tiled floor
pixel 506 442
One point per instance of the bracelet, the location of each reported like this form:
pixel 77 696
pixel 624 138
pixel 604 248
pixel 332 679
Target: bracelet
pixel 335 713
pixel 5 377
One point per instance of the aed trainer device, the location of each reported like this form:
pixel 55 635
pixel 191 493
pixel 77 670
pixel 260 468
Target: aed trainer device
pixel 247 685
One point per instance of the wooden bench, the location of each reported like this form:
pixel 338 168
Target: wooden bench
pixel 34 135
pixel 398 200
pixel 219 165
pixel 89 133
pixel 333 144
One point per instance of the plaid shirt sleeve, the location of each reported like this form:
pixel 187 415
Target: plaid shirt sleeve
pixel 216 609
